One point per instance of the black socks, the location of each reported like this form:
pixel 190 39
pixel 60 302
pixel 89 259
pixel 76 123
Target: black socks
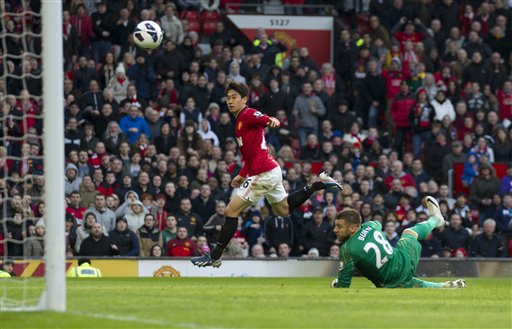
pixel 226 233
pixel 296 198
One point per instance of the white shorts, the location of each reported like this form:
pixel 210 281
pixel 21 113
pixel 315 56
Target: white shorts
pixel 268 184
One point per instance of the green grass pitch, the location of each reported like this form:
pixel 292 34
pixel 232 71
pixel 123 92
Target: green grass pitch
pixel 268 303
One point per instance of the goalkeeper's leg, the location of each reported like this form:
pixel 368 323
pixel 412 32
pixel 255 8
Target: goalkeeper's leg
pixel 417 283
pixel 423 229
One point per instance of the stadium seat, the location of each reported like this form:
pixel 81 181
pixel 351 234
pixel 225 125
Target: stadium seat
pixel 210 15
pixel 208 20
pixel 363 22
pixel 190 15
pixel 194 25
pixel 209 27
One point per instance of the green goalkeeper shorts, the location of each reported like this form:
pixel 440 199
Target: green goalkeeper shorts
pixel 411 249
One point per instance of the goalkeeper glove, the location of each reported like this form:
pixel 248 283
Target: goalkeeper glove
pixel 334 283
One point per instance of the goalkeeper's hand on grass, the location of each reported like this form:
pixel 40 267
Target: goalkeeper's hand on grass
pixel 334 283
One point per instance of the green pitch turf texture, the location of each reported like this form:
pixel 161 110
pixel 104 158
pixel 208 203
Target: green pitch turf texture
pixel 267 303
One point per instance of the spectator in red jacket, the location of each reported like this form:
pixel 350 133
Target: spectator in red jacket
pixel 83 25
pixel 181 245
pixel 505 100
pixel 400 108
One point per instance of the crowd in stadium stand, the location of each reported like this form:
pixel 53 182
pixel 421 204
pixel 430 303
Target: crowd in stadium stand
pixel 414 89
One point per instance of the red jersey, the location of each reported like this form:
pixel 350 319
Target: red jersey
pixel 403 38
pixel 393 81
pixel 505 104
pixel 180 248
pixel 78 213
pixel 251 140
pixel 406 180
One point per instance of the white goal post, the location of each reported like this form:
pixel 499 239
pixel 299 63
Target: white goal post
pixel 54 297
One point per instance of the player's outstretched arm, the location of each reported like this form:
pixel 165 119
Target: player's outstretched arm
pixel 273 122
pixel 346 267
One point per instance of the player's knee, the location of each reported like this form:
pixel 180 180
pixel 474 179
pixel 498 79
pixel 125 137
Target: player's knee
pixel 411 232
pixel 232 211
pixel 281 209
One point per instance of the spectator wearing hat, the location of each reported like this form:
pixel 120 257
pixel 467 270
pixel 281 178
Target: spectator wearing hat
pixel 159 211
pixel 317 233
pixel 72 181
pixel 144 76
pixel 206 132
pixel 82 232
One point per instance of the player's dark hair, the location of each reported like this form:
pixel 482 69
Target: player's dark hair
pixel 351 216
pixel 239 88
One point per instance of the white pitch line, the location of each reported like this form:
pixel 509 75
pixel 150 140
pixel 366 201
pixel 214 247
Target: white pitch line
pixel 140 320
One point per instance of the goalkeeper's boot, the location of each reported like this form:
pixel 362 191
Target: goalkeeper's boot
pixel 206 260
pixel 329 182
pixel 435 211
pixel 460 283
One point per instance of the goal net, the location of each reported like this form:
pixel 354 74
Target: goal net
pixel 31 157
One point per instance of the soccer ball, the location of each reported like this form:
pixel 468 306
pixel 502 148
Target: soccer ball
pixel 148 35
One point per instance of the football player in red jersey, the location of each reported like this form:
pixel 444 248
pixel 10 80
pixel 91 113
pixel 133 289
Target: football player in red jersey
pixel 260 176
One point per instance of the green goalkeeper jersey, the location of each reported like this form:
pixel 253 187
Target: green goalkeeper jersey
pixel 370 252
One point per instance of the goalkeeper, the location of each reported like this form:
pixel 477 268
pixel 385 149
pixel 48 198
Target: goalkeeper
pixel 368 250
